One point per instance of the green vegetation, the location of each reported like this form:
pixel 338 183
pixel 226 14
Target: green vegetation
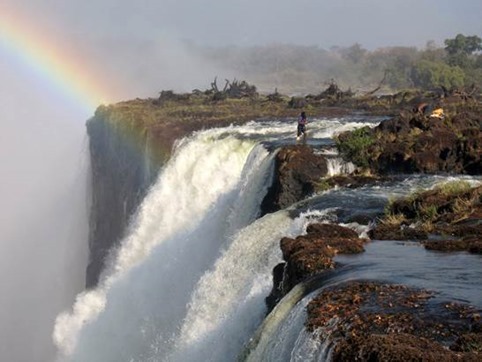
pixel 323 185
pixel 430 74
pixel 427 213
pixel 461 48
pixel 298 69
pixel 354 146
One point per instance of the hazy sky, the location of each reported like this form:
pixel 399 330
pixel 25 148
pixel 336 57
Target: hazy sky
pixel 138 47
pixel 372 23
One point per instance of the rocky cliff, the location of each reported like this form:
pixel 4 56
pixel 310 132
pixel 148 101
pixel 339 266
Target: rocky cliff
pixel 122 170
pixel 129 143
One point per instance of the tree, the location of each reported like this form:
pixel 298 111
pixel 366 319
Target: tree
pixel 432 52
pixel 355 53
pixel 460 48
pixel 427 74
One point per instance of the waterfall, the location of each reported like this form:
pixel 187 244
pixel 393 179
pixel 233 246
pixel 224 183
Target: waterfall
pixel 195 266
pixel 337 166
pixel 210 188
pixel 228 302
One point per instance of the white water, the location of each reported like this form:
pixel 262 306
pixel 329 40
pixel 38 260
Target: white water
pixel 44 211
pixel 189 281
pixel 211 187
pixel 229 301
pixel 337 166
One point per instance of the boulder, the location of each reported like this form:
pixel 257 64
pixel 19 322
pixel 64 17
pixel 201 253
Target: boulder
pixel 311 254
pixel 297 171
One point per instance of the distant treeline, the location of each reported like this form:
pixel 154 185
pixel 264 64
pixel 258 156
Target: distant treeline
pixel 303 69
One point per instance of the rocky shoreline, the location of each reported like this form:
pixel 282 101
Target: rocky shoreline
pixel 377 321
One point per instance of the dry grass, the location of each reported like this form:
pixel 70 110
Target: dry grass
pixel 453 188
pixel 393 219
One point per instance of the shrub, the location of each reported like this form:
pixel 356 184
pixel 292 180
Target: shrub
pixel 354 146
pixel 428 74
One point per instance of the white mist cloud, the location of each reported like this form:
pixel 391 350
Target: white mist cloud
pixel 43 221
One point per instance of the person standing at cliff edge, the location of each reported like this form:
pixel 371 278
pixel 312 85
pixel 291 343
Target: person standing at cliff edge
pixel 302 121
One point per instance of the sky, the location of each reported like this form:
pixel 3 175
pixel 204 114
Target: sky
pixel 372 23
pixel 59 59
pixel 138 47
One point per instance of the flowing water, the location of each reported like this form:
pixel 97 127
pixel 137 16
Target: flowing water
pixel 188 283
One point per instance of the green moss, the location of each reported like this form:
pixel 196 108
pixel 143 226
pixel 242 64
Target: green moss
pixel 323 185
pixel 354 146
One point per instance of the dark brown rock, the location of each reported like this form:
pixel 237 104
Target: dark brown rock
pixel 278 290
pixel 352 180
pixel 370 321
pixel 419 143
pixel 394 232
pixel 401 348
pixel 470 342
pixel 470 244
pixel 297 170
pixel 311 254
pixel 330 230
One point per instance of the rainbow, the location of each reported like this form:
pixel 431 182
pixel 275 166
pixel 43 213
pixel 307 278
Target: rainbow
pixel 57 69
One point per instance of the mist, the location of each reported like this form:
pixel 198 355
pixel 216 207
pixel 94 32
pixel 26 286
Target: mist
pixel 43 218
pixel 136 49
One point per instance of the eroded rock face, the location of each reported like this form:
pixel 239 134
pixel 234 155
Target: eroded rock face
pixel 125 160
pixel 432 145
pixel 311 254
pixel 297 170
pixel 121 175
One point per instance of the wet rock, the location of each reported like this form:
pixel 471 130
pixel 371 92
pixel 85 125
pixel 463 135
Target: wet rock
pixel 403 347
pixel 330 230
pixel 297 170
pixel 370 321
pixel 470 244
pixel 350 181
pixel 470 342
pixel 394 232
pixel 311 254
pixel 397 125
